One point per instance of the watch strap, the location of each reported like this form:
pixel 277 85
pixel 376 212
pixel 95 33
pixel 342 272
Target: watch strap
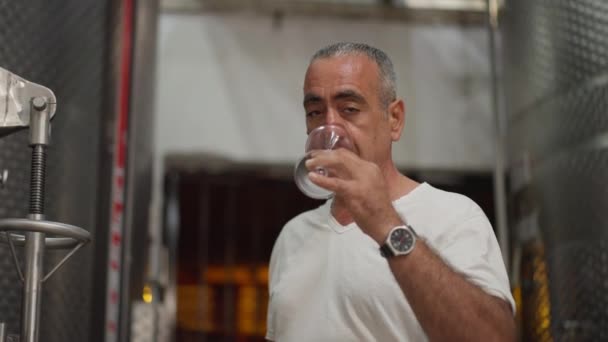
pixel 413 231
pixel 386 251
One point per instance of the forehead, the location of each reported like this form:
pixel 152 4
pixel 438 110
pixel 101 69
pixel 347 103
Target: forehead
pixel 356 71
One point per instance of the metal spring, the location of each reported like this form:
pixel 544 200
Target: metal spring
pixel 37 180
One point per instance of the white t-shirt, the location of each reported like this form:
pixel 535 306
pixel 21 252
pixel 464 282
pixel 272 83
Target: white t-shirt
pixel 328 282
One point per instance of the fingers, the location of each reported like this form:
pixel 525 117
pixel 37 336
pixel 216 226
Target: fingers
pixel 338 163
pixel 333 184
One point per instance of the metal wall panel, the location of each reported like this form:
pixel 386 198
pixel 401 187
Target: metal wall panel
pixel 556 75
pixel 62 45
pixel 139 179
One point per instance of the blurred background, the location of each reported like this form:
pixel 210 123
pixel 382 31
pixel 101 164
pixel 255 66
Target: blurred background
pixel 179 123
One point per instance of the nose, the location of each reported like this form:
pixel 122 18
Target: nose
pixel 333 117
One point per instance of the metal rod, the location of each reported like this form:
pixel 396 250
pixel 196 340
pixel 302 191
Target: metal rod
pixel 32 292
pixel 2 332
pixel 499 165
pixel 37 180
pixel 65 258
pixel 15 259
pixel 34 241
pixel 71 235
pixel 172 224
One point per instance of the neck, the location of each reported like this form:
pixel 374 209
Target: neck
pixel 398 185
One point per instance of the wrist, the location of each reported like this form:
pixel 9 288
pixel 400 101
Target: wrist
pixel 381 229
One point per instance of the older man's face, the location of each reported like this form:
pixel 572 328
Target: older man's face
pixel 345 91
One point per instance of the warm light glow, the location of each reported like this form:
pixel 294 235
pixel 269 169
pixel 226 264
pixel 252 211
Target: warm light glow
pixel 147 294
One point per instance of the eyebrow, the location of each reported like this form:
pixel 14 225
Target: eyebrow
pixel 349 94
pixel 344 94
pixel 311 98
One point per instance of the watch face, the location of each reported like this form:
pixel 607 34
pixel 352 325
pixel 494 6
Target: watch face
pixel 402 240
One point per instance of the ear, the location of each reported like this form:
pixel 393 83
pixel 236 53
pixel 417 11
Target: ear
pixel 396 118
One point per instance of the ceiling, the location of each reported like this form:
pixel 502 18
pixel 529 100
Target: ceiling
pixel 462 11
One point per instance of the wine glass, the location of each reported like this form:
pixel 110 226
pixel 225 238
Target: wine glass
pixel 327 137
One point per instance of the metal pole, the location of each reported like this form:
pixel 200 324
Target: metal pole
pixel 34 244
pixel 2 332
pixel 34 254
pixel 499 165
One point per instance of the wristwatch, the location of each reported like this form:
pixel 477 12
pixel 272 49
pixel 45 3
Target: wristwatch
pixel 400 241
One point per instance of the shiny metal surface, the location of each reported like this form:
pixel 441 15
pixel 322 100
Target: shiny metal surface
pixel 3 178
pixel 63 45
pixel 2 332
pixel 499 179
pixel 78 238
pixel 75 234
pixel 40 121
pixel 140 165
pixel 556 77
pixel 33 276
pixel 14 255
pixel 32 291
pixel 16 95
pixel 171 224
pixel 50 243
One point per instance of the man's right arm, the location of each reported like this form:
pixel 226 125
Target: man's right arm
pixel 274 268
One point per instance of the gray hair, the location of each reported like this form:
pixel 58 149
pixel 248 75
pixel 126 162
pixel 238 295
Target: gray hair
pixel 386 71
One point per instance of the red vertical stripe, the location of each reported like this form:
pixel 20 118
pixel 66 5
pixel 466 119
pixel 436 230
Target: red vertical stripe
pixel 125 83
pixel 116 231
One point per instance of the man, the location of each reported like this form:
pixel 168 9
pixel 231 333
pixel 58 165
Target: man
pixel 387 259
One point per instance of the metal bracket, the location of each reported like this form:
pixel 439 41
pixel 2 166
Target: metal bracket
pixel 16 94
pixel 70 237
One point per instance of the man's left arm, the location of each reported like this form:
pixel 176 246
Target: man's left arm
pixel 448 306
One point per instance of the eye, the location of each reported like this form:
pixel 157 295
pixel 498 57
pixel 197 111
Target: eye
pixel 313 113
pixel 351 110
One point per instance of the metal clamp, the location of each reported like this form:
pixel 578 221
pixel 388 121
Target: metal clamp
pixel 70 237
pixel 15 96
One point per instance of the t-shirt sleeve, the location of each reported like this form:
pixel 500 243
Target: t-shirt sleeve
pixel 471 248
